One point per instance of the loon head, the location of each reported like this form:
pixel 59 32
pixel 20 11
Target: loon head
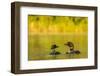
pixel 54 46
pixel 70 44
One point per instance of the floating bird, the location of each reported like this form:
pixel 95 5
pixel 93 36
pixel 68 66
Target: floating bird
pixel 53 48
pixel 71 46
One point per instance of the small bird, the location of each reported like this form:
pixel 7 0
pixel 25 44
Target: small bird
pixel 53 48
pixel 71 46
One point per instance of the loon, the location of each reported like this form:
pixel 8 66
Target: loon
pixel 71 46
pixel 53 48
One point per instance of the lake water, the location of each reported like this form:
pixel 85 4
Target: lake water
pixel 39 46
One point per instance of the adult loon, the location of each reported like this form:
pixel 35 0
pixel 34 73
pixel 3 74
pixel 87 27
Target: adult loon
pixel 53 48
pixel 71 47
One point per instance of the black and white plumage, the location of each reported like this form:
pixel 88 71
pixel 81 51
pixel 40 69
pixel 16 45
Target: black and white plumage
pixel 71 46
pixel 53 48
